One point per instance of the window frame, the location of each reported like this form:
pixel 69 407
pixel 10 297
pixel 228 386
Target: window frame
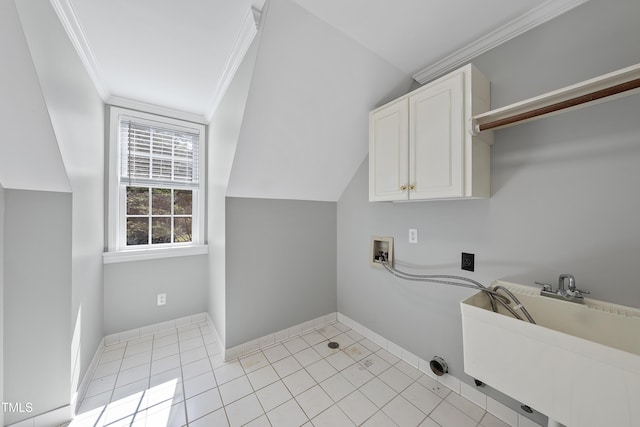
pixel 117 249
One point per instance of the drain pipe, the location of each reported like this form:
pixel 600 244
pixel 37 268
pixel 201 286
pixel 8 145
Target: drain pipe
pixel 438 366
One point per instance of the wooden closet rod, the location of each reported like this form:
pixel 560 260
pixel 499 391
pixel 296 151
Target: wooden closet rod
pixel 569 103
pixel 617 84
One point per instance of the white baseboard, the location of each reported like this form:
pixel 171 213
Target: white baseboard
pixel 86 379
pixel 153 329
pixel 219 342
pixel 269 340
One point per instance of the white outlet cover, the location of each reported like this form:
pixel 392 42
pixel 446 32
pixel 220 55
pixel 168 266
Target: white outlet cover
pixel 162 299
pixel 413 235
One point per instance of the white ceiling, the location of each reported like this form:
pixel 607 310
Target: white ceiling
pixel 321 66
pixel 177 54
pixel 173 54
pixel 412 34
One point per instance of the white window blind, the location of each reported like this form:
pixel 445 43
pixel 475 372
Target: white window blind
pixel 159 156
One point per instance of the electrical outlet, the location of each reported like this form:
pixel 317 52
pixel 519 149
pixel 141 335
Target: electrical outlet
pixel 468 261
pixel 413 235
pixel 162 299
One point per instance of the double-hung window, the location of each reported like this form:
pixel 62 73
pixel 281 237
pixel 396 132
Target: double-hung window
pixel 156 185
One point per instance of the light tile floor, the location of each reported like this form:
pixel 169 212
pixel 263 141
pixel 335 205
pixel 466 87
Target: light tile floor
pixel 178 378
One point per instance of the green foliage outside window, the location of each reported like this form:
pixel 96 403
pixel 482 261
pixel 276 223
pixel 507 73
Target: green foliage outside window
pixel 158 215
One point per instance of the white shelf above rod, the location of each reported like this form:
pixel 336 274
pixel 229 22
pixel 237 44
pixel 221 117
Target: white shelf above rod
pixel 607 87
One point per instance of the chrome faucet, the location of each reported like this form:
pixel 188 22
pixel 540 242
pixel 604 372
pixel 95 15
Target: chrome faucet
pixel 572 283
pixel 569 293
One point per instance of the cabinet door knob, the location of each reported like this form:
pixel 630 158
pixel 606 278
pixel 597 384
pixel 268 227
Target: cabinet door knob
pixel 403 187
pixel 412 187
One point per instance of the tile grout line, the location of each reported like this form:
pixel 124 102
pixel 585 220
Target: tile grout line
pixel 318 383
pixel 260 352
pixel 184 391
pixel 214 378
pixel 217 386
pixel 246 374
pixel 144 393
pixel 303 368
pixel 388 345
pixel 104 409
pixel 359 362
pixel 280 378
pixel 224 408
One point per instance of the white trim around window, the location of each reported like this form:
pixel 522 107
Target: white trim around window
pixel 121 247
pixel 153 253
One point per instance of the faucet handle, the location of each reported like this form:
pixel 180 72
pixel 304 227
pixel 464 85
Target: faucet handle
pixel 545 286
pixel 575 293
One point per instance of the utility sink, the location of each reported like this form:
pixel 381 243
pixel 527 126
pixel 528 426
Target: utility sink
pixel 579 365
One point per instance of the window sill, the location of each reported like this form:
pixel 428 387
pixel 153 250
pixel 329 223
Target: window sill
pixel 154 253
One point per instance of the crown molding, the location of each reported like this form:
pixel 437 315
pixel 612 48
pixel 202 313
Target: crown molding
pixel 243 41
pixel 67 16
pixel 146 107
pixel 69 20
pixel 257 15
pixel 536 16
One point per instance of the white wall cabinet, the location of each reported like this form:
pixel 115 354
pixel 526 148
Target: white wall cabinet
pixel 420 147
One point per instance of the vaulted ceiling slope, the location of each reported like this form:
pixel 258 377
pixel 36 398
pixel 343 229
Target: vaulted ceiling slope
pixel 305 126
pixel 321 67
pixel 172 54
pixel 412 34
pixel 29 155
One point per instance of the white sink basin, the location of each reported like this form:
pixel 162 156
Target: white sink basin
pixel 580 364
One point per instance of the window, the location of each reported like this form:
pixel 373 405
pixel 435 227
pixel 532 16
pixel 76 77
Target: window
pixel 156 181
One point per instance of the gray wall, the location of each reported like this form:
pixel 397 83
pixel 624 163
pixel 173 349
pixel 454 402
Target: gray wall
pixel 130 290
pixel 224 131
pixel 37 300
pixel 77 115
pixel 564 195
pixel 1 302
pixel 281 265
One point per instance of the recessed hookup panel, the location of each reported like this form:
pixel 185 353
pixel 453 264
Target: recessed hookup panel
pixel 468 261
pixel 381 250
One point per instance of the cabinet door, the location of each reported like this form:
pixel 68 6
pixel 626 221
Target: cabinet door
pixel 436 140
pixel 388 152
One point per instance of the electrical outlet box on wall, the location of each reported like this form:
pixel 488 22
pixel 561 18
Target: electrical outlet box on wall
pixel 381 250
